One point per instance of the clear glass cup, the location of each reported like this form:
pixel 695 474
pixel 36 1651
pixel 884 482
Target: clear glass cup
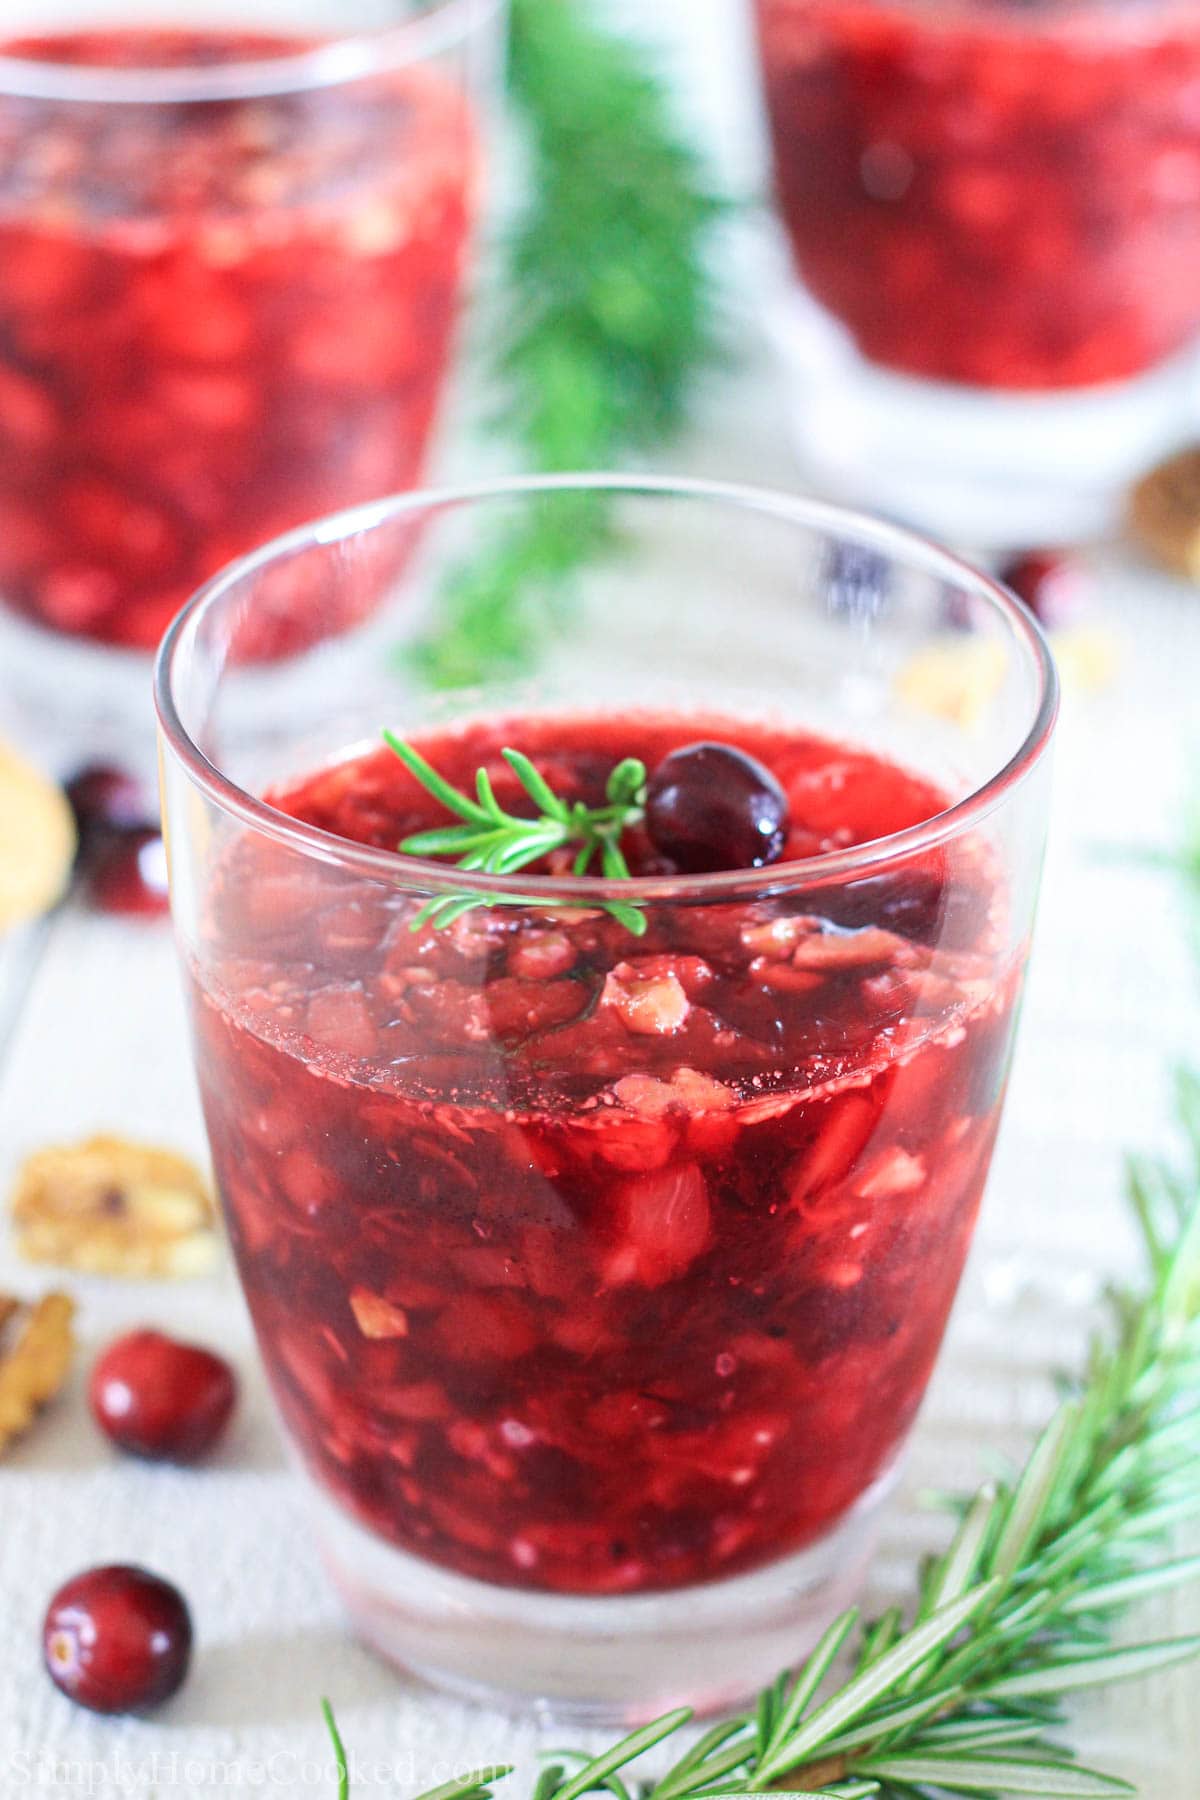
pixel 598 1277
pixel 231 263
pixel 993 211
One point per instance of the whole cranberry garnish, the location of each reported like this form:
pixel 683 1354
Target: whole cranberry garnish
pixel 157 1397
pixel 709 806
pixel 1055 586
pixel 127 872
pixel 106 799
pixel 117 1639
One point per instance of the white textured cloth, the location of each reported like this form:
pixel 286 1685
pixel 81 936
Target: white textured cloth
pixel 1113 1000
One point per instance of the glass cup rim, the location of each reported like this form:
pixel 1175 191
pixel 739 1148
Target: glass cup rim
pixel 418 874
pixel 349 57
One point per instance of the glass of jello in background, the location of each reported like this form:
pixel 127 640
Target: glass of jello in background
pixel 600 1239
pixel 231 261
pixel 993 211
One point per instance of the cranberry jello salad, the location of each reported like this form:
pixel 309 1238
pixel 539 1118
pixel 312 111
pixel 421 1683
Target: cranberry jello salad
pixel 603 1248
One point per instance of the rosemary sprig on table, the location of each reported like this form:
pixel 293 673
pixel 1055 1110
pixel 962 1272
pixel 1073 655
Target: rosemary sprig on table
pixel 501 843
pixel 1017 1614
pixel 339 1751
pixel 607 317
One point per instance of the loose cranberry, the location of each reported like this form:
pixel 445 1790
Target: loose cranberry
pixel 1054 585
pixel 709 806
pixel 127 873
pixel 106 799
pixel 121 848
pixel 117 1639
pixel 156 1397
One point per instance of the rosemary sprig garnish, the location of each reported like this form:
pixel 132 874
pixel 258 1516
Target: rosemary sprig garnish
pixel 607 316
pixel 501 843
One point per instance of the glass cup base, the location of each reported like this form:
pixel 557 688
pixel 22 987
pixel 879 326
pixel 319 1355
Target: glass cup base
pixel 615 1660
pixel 998 471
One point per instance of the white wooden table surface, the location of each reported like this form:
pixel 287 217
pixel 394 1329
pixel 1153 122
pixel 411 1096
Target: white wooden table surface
pixel 100 1045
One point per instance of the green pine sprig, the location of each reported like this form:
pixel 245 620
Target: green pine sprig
pixel 501 843
pixel 608 314
pixel 965 1697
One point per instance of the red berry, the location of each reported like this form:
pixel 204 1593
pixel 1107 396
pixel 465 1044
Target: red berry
pixel 127 872
pixel 121 846
pixel 106 799
pixel 1055 587
pixel 709 806
pixel 156 1397
pixel 117 1639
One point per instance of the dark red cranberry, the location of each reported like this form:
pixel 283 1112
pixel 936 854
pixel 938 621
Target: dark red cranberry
pixel 117 1639
pixel 106 799
pixel 127 872
pixel 1055 586
pixel 709 806
pixel 156 1397
pixel 121 848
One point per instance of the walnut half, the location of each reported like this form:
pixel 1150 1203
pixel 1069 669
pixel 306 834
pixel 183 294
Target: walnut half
pixel 37 1345
pixel 111 1207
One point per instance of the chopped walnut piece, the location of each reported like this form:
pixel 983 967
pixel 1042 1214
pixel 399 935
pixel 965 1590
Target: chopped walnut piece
pixel 688 1088
pixel 648 1005
pixel 895 1172
pixel 111 1207
pixel 834 950
pixel 35 1363
pixel 377 1317
pixel 700 1092
pixel 543 955
pixel 777 938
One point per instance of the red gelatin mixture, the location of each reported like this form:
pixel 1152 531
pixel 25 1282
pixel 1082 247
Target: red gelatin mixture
pixel 217 319
pixel 990 192
pixel 594 1263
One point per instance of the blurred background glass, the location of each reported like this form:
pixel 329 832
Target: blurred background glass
pixel 993 210
pixel 231 265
